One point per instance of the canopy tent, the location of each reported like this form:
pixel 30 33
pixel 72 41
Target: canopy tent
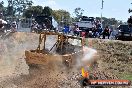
pixel 54 23
pixel 3 21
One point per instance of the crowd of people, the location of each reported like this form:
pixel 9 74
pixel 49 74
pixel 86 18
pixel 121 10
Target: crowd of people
pixel 4 25
pixel 96 32
pixel 35 27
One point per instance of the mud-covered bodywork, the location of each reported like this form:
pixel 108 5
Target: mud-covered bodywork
pixel 61 49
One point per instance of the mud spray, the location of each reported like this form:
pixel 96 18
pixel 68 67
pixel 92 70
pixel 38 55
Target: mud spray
pixel 12 52
pixel 89 55
pixel 12 49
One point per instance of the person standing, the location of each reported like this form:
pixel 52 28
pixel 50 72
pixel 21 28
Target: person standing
pixel 2 25
pixel 99 28
pixel 94 30
pixel 130 23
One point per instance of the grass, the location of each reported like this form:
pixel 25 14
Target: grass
pixel 131 52
pixel 127 77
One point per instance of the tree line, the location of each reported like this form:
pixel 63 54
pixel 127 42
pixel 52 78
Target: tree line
pixel 25 9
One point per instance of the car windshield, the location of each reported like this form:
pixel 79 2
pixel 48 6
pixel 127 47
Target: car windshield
pixel 124 28
pixel 87 19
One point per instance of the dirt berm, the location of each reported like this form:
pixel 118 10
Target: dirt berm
pixel 115 57
pixel 114 60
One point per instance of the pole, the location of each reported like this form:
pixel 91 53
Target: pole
pixel 102 12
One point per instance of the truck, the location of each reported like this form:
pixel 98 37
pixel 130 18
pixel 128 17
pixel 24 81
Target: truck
pixel 124 32
pixel 86 23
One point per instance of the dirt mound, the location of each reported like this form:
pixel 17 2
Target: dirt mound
pixel 114 57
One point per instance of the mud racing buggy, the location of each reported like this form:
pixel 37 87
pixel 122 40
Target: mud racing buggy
pixel 64 50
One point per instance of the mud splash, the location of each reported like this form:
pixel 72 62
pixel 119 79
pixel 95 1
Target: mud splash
pixel 89 54
pixel 12 54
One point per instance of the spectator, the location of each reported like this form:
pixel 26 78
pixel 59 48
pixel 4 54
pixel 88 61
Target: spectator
pixel 66 30
pixel 1 15
pixel 2 23
pixel 14 26
pixel 94 30
pixel 130 21
pixel 76 30
pixel 106 32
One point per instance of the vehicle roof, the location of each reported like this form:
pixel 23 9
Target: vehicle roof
pixel 124 28
pixel 123 25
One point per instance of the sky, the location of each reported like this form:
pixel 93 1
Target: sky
pixel 112 8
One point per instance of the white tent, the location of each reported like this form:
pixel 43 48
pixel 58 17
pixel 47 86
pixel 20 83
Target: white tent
pixel 54 23
pixel 3 21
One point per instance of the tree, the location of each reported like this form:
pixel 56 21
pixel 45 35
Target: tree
pixel 1 6
pixel 61 15
pixel 130 10
pixel 37 10
pixel 78 12
pixel 10 11
pixel 108 21
pixel 17 7
pixel 21 5
pixel 47 11
pixel 33 11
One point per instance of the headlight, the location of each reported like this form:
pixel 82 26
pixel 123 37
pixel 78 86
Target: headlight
pixel 119 30
pixel 90 31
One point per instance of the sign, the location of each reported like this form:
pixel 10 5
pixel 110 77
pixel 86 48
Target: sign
pixel 112 82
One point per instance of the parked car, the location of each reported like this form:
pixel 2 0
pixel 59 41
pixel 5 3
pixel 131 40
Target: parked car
pixel 124 32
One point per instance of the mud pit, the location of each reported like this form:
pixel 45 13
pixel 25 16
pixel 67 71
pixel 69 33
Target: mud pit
pixel 15 73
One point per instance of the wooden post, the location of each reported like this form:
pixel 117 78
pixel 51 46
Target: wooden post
pixel 44 40
pixel 62 39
